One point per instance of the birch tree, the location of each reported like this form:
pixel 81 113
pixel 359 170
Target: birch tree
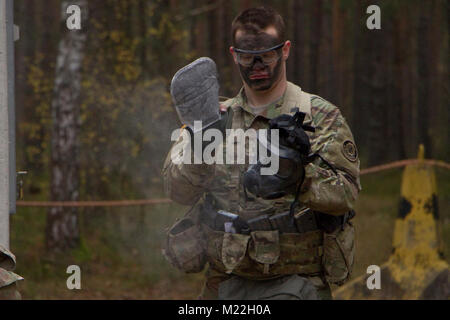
pixel 62 222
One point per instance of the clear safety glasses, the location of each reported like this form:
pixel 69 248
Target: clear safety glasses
pixel 268 56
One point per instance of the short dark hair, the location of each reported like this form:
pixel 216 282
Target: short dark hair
pixel 254 20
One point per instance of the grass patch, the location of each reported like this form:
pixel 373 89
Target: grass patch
pixel 120 249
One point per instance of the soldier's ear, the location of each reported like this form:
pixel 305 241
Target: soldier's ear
pixel 233 54
pixel 286 49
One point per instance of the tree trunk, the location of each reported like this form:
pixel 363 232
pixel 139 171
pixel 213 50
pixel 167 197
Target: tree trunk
pixel 316 34
pixel 402 82
pixel 62 222
pixel 434 97
pixel 424 64
pixel 325 70
pixel 143 34
pixel 297 60
pixel 213 32
pixel 362 54
pixel 377 76
pixel 378 88
pixel 337 41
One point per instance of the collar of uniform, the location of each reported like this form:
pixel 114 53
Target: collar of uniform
pixel 283 105
pixel 249 116
pixel 243 103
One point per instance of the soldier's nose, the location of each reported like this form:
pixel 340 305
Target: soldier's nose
pixel 258 66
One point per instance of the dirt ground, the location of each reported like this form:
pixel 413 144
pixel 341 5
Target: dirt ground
pixel 120 252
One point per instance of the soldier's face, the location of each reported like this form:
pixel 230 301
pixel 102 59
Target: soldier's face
pixel 258 76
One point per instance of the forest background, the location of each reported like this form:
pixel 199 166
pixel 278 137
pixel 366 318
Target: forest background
pixel 390 84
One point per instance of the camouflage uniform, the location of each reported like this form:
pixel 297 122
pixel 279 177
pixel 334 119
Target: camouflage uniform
pixel 8 279
pixel 323 190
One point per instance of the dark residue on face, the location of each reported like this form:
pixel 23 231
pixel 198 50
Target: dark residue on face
pixel 256 42
pixel 261 84
pixel 259 41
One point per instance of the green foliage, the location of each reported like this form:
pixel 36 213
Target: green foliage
pixel 391 183
pixel 83 252
pixel 120 256
pixel 133 49
pixel 125 112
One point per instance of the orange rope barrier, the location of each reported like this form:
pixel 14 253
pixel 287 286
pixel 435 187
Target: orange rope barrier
pixel 113 203
pixel 403 163
pixel 143 202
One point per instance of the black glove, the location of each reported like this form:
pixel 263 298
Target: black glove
pixel 292 132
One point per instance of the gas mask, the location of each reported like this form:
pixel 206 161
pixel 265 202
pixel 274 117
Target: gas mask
pixel 293 151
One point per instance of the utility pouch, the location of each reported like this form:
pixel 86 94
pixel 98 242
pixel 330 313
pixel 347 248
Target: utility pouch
pixel 185 246
pixel 234 248
pixel 283 222
pixel 305 221
pixel 269 254
pixel 265 248
pixel 260 223
pixel 339 252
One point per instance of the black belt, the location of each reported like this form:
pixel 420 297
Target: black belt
pixel 225 221
pixel 301 222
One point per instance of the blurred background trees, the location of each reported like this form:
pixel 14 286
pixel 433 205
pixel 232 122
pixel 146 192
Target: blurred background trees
pixel 62 222
pixel 391 84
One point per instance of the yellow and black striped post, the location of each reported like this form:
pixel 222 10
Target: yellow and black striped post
pixel 415 269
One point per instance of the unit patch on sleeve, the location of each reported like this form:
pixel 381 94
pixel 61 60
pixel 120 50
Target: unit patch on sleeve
pixel 349 151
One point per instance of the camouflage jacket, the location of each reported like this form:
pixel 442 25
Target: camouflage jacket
pixel 8 279
pixel 323 190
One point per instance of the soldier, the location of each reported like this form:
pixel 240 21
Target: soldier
pixel 283 251
pixel 8 279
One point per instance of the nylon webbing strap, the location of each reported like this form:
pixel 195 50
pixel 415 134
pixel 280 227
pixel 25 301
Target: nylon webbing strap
pixel 237 123
pixel 296 98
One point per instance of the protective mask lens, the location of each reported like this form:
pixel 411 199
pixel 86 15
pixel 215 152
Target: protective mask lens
pixel 247 58
pixel 270 57
pixel 267 58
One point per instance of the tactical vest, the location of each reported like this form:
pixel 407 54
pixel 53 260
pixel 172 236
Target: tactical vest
pixel 294 98
pixel 261 254
pixel 264 254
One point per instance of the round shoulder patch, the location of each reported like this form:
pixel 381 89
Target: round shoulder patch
pixel 349 151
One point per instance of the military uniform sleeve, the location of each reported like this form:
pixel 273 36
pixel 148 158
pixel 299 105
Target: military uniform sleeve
pixel 8 279
pixel 8 285
pixel 323 189
pixel 185 182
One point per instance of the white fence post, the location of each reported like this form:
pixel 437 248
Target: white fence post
pixel 7 128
